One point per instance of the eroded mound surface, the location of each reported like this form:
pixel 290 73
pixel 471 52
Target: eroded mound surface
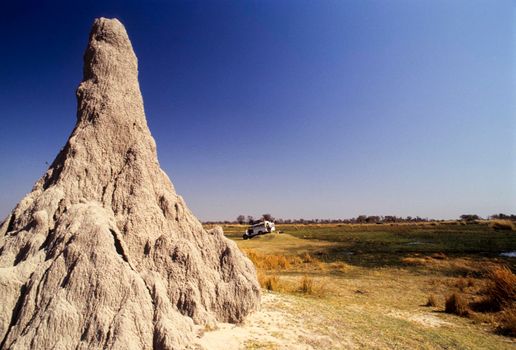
pixel 103 253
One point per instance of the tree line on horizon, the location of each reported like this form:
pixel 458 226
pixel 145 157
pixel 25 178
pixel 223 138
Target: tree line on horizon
pixel 361 219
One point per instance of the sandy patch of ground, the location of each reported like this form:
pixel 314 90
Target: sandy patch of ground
pixel 272 327
pixel 423 319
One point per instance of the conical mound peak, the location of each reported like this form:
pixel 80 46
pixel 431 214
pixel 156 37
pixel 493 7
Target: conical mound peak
pixel 109 53
pixel 103 253
pixel 111 135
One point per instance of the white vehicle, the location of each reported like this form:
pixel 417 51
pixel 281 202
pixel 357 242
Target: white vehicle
pixel 260 228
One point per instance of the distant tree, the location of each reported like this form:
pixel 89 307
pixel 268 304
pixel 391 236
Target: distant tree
pixel 503 216
pixel 469 217
pixel 361 219
pixel 389 218
pixel 267 217
pixel 240 219
pixel 498 216
pixel 372 219
pixel 250 220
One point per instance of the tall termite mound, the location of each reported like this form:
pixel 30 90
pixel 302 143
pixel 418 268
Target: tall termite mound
pixel 103 253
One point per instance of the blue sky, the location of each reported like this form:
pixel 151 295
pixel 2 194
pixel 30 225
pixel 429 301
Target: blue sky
pixel 313 109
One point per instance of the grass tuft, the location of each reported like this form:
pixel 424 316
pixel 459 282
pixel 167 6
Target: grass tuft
pixel 414 261
pixel 462 283
pixel 508 323
pixel 306 285
pixel 270 262
pixel 307 258
pixel 501 288
pixel 439 256
pixel 432 301
pixel 271 283
pixel 455 304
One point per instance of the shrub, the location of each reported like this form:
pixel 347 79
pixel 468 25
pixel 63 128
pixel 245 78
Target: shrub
pixel 432 301
pixel 455 304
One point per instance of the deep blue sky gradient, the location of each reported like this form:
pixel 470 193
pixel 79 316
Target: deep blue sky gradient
pixel 325 109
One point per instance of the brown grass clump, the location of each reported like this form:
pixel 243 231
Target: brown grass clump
pixel 340 266
pixel 491 299
pixel 282 262
pixel 307 258
pixel 414 261
pixel 501 288
pixel 507 324
pixel 502 225
pixel 463 283
pixel 268 262
pixel 432 301
pixel 271 262
pixel 455 304
pixel 439 256
pixel 271 283
pixel 306 285
pixel 310 286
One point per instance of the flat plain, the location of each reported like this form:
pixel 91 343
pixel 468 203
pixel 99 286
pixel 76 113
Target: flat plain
pixel 378 286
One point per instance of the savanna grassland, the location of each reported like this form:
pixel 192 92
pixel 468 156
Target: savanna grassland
pixel 390 286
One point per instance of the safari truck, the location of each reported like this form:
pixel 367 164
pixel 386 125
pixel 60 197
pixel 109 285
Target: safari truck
pixel 260 228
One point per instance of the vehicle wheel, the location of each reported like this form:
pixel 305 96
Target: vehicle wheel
pixel 244 237
pixel 260 232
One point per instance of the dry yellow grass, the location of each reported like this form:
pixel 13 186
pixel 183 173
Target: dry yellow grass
pixel 432 301
pixel 414 261
pixel 501 289
pixel 339 266
pixel 507 324
pixel 307 258
pixel 464 283
pixel 490 299
pixel 268 262
pixel 306 285
pixel 269 282
pixel 331 261
pixel 502 225
pixel 456 304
